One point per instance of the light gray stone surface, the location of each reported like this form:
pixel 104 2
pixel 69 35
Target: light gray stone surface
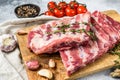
pixel 7 6
pixel 7 12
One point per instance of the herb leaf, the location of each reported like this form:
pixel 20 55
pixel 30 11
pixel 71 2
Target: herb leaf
pixel 92 35
pixel 115 51
pixel 62 28
pixel 57 31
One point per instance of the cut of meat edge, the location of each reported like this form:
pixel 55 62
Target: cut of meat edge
pixel 74 55
pixel 40 42
pixel 94 49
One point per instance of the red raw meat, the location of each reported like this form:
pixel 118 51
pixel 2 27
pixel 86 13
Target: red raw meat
pixel 108 24
pixel 77 49
pixel 50 37
pixel 105 29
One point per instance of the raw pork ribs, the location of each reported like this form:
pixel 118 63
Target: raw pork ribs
pixel 59 35
pixel 73 38
pixel 107 33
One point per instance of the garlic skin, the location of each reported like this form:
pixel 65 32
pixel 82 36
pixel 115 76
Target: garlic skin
pixel 8 43
pixel 45 73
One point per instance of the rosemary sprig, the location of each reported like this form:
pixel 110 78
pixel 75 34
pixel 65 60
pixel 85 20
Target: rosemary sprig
pixel 92 35
pixel 57 31
pixel 117 64
pixel 116 48
pixel 78 30
pixel 73 30
pixel 62 28
pixel 115 51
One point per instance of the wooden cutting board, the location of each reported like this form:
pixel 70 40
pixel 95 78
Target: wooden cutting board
pixel 105 62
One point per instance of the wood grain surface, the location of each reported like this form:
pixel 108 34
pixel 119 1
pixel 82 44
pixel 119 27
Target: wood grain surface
pixel 105 62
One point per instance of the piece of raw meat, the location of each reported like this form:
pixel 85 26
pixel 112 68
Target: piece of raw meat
pixel 107 36
pixel 109 25
pixel 60 35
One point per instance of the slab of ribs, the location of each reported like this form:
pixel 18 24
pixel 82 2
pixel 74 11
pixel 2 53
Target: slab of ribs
pixel 80 39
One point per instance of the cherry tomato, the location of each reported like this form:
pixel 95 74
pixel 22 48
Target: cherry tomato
pixel 52 5
pixel 62 4
pixel 81 9
pixel 49 13
pixel 70 11
pixel 59 12
pixel 74 4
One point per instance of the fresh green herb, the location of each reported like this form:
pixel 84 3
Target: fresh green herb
pixel 73 30
pixel 79 30
pixel 116 48
pixel 62 28
pixel 117 64
pixel 115 51
pixel 57 31
pixel 92 35
pixel 83 30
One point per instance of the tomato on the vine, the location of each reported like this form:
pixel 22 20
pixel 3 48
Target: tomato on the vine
pixel 65 9
pixel 70 11
pixel 74 4
pixel 62 4
pixel 81 9
pixel 49 13
pixel 59 12
pixel 52 5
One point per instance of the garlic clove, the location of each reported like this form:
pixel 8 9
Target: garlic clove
pixel 51 63
pixel 45 73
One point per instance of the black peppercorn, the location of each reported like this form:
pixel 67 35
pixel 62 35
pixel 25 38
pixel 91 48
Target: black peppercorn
pixel 27 10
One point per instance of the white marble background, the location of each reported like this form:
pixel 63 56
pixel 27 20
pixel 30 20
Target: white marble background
pixel 7 12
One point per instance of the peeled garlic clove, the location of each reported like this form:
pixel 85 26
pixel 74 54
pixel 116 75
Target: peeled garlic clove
pixel 45 73
pixel 51 63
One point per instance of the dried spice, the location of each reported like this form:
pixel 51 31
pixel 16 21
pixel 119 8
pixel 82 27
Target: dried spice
pixel 28 10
